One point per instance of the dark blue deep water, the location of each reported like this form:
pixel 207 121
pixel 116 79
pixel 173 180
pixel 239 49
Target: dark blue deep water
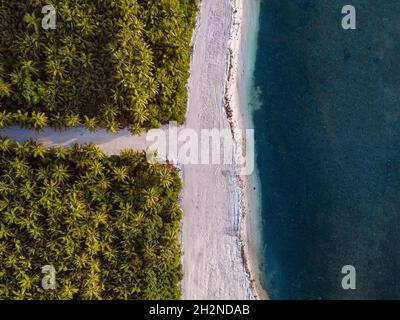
pixel 328 141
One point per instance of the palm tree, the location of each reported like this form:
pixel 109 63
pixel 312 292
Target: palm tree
pixel 125 210
pixel 140 113
pixel 166 179
pixel 67 290
pixel 11 216
pixel 99 218
pixel 96 168
pixel 22 118
pixel 60 153
pixel 68 53
pixel 90 124
pixel 38 150
pixel 121 173
pixel 42 174
pixel 135 129
pixel 26 44
pixel 139 217
pixel 151 198
pixel 17 78
pixel 38 120
pixel 5 233
pixel 153 86
pixel 93 151
pixel 56 69
pixel 29 68
pixel 72 120
pixel 5 144
pixel 111 126
pixel 27 190
pixel 5 89
pixel 50 189
pixel 81 260
pixel 32 21
pixel 60 173
pixel 21 150
pixel 92 242
pixel 86 60
pixel 150 252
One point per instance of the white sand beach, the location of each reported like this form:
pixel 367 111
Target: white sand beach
pixel 214 200
pixel 240 97
pixel 212 261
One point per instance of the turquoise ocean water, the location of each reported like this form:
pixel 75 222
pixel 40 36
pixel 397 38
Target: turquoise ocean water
pixel 328 145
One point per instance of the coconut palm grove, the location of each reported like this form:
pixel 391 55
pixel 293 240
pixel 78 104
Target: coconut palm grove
pixel 108 63
pixel 108 224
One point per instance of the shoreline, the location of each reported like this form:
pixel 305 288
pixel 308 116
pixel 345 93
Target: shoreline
pixel 238 118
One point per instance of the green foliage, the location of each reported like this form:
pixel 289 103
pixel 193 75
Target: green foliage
pixel 110 63
pixel 108 225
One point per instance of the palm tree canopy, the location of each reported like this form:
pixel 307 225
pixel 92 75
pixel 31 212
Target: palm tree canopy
pixel 108 225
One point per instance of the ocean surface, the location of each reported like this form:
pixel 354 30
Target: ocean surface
pixel 328 148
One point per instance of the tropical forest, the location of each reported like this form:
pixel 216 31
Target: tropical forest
pixel 106 64
pixel 108 225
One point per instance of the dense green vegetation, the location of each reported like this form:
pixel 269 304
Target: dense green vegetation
pixel 107 224
pixel 108 63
